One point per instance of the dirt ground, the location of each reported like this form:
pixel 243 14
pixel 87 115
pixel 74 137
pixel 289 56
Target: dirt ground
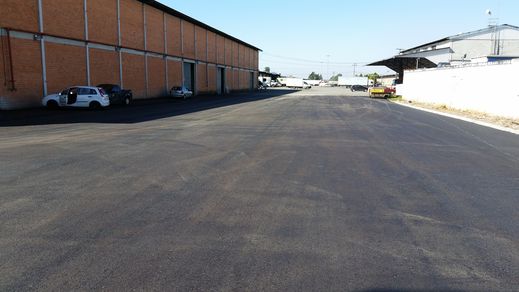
pixel 496 120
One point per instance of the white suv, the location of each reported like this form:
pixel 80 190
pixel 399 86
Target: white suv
pixel 78 96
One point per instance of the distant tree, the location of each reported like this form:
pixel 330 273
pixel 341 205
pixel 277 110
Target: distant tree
pixel 336 77
pixel 315 76
pixel 374 77
pixel 267 69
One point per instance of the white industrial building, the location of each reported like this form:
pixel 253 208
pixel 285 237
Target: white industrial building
pixel 500 41
pixel 493 43
pixel 474 71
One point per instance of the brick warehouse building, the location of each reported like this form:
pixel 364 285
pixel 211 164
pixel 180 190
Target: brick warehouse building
pixel 143 45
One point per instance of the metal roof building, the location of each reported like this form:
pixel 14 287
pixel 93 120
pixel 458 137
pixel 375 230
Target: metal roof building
pixel 498 41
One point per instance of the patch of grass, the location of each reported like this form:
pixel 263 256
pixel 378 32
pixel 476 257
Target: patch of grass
pixel 395 98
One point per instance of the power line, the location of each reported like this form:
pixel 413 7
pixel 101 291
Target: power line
pixel 335 65
pixel 311 61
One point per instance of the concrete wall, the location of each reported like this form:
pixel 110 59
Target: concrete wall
pixel 488 87
pixel 143 52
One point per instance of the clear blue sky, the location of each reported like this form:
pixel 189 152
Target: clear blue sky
pixel 297 36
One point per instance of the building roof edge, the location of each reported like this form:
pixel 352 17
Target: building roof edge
pixel 185 17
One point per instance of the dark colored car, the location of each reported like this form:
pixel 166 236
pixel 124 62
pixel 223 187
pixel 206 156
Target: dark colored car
pixel 117 94
pixel 359 88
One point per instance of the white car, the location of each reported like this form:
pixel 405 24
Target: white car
pixel 182 91
pixel 78 96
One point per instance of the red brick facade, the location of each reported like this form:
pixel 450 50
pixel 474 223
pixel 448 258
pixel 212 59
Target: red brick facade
pixel 105 30
pixel 156 76
pixel 104 67
pixel 66 64
pixel 147 34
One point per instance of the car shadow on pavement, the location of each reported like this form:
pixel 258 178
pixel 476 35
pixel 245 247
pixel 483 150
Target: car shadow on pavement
pixel 139 111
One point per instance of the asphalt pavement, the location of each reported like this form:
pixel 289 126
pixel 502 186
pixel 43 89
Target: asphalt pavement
pixel 319 190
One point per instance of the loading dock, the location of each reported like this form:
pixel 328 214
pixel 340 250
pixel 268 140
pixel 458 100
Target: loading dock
pixel 220 81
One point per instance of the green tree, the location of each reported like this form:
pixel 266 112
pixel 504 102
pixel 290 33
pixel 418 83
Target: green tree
pixel 267 69
pixel 315 76
pixel 374 77
pixel 336 77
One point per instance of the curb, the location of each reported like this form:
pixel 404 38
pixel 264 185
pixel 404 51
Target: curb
pixel 474 121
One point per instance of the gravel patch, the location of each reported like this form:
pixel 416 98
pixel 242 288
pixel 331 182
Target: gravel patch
pixel 484 117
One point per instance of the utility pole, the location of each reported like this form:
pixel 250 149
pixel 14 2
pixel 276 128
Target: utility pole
pixel 354 69
pixel 328 66
pixel 493 22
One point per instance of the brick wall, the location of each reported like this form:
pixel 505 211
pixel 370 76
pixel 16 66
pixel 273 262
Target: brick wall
pixel 174 73
pixel 236 80
pixel 12 10
pixel 102 21
pixel 201 44
pixel 66 66
pixel 221 53
pixel 211 47
pixel 256 60
pixel 228 52
pixel 247 54
pixel 132 24
pixel 211 78
pixel 156 77
pixel 173 31
pixel 229 79
pixel 189 39
pixel 243 56
pixel 155 29
pixel 104 67
pixel 134 77
pixel 64 18
pixel 201 76
pixel 235 55
pixel 242 79
pixel 253 64
pixel 66 60
pixel 27 74
pixel 3 72
pixel 246 80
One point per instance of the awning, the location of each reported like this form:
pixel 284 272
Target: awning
pixel 399 63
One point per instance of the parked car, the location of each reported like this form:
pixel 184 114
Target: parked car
pixel 275 84
pixel 116 94
pixel 78 96
pixel 262 86
pixel 359 88
pixel 180 91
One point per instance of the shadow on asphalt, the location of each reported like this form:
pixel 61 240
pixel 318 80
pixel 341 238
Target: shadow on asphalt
pixel 140 111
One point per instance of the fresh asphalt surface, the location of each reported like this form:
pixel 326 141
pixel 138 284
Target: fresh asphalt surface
pixel 314 190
